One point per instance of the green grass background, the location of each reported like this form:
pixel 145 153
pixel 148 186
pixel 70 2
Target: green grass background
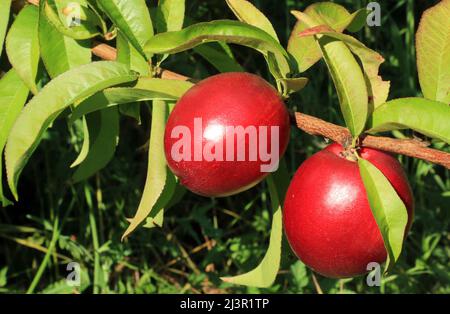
pixel 203 239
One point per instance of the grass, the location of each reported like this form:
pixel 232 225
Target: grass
pixel 203 239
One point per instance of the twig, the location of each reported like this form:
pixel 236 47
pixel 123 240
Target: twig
pixel 315 126
pixel 408 147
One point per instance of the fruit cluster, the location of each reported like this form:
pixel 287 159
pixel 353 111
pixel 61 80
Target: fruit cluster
pixel 226 128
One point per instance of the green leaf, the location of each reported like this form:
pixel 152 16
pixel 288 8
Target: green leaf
pixel 128 55
pixel 220 30
pixel 22 45
pixel 132 110
pixel 422 115
pixel 59 52
pixel 13 94
pixel 132 18
pixel 378 89
pixel 388 209
pixel 86 24
pixel 246 12
pixel 146 88
pixel 103 136
pixel 60 93
pixel 157 171
pixel 433 52
pixel 170 15
pixel 218 57
pixel 292 85
pixel 265 273
pixel 84 148
pixel 349 82
pixel 305 50
pixel 5 7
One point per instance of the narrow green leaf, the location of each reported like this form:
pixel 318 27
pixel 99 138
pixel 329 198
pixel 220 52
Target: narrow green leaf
pixel 378 89
pixel 218 58
pixel 60 93
pixel 265 273
pixel 103 135
pixel 13 94
pixel 83 28
pixel 349 82
pixel 220 30
pixel 433 52
pixel 146 88
pixel 388 209
pixel 5 7
pixel 170 15
pixel 84 148
pixel 305 50
pixel 157 170
pixel 246 12
pixel 425 116
pixel 59 52
pixel 132 18
pixel 22 45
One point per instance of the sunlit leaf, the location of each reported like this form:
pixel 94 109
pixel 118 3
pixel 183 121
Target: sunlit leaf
pixel 60 93
pixel 13 94
pixel 388 209
pixel 433 52
pixel 246 12
pixel 59 52
pixel 22 45
pixel 5 7
pixel 219 30
pixel 305 49
pixel 425 116
pixel 371 60
pixel 157 171
pixel 265 273
pixel 218 57
pixel 146 88
pixel 132 18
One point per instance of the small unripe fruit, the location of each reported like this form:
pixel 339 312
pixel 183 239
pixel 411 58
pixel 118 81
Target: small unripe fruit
pixel 226 134
pixel 327 216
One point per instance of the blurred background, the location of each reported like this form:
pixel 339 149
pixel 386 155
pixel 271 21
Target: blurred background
pixel 203 239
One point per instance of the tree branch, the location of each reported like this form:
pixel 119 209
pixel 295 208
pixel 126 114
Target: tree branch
pixel 316 126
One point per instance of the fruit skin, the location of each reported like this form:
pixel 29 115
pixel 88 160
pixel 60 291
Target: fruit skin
pixel 228 99
pixel 327 217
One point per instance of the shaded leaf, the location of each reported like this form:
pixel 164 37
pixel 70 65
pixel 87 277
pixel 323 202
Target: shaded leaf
pixel 13 94
pixel 425 116
pixel 103 136
pixel 157 171
pixel 433 52
pixel 246 12
pixel 265 273
pixel 218 57
pixel 388 209
pixel 22 45
pixel 60 93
